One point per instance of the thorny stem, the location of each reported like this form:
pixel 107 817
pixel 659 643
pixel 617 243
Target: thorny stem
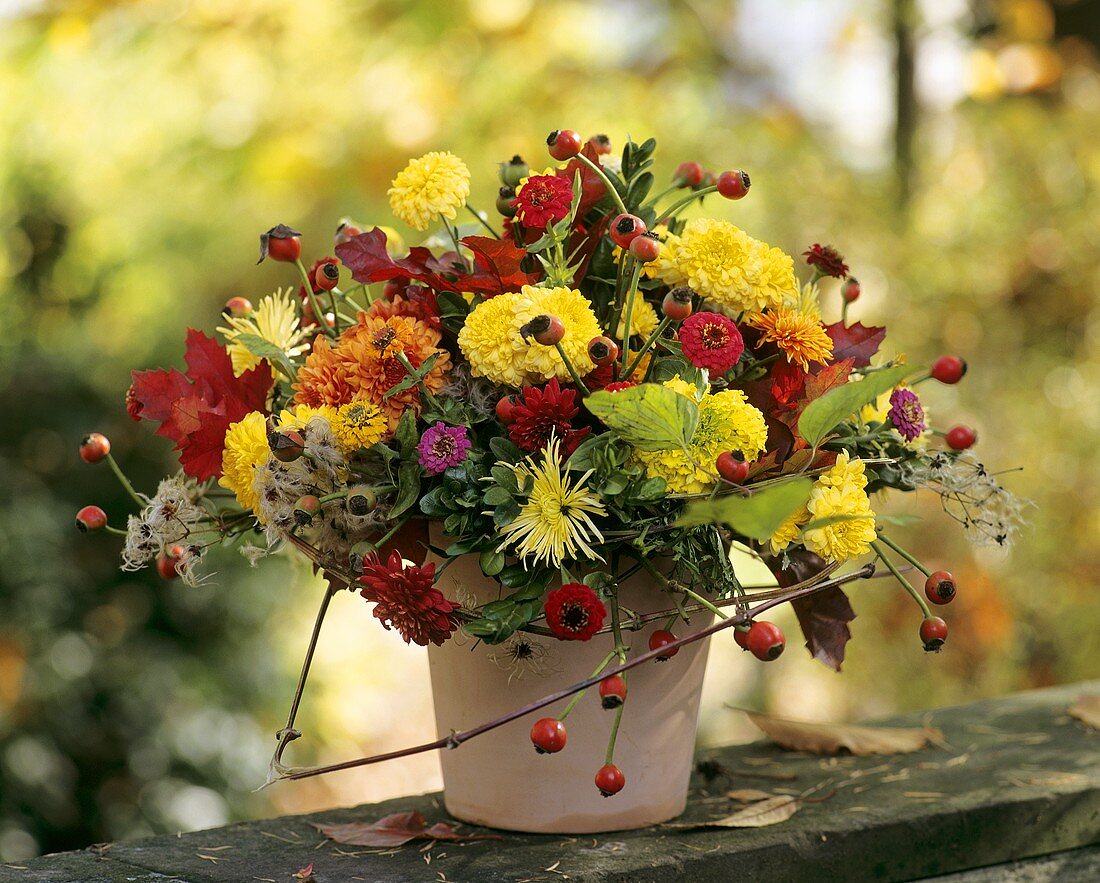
pixel 455 739
pixel 572 371
pixel 917 564
pixel 901 579
pixel 125 482
pixel 315 305
pixel 598 169
pixel 665 322
pixel 483 222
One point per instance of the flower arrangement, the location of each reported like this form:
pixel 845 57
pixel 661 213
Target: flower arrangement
pixel 593 387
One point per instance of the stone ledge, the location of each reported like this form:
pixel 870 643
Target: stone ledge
pixel 1028 785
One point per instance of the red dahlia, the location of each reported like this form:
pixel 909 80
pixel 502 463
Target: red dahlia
pixel 711 341
pixel 543 200
pixel 540 413
pixel 405 599
pixel 574 613
pixel 827 259
pixel 618 385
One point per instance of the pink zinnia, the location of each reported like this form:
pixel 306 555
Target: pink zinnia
pixel 442 447
pixel 543 200
pixel 711 341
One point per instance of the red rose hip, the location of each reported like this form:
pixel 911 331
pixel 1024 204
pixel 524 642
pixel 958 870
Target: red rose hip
pixel 732 467
pixel 90 519
pixel 563 143
pixel 548 735
pixel 625 229
pixel 850 290
pixel 948 369
pixel 280 243
pixel 689 174
pixel 734 184
pixel 603 350
pixel 940 587
pixel 327 275
pixel 545 330
pixel 766 641
pixel 237 307
pixel 612 691
pixel 959 438
pixel 645 247
pixel 933 632
pixel 610 780
pixel 677 304
pixel 94 448
pixel 660 639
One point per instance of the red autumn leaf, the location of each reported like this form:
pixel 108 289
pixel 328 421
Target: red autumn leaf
pixel 196 408
pixel 857 342
pixel 788 382
pixel 366 256
pixel 826 378
pixel 824 615
pixel 496 266
pixel 395 830
pixel 592 187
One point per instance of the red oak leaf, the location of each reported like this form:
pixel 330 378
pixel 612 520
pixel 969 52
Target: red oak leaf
pixel 496 266
pixel 195 409
pixel 827 378
pixel 824 616
pixel 366 256
pixel 592 187
pixel 857 342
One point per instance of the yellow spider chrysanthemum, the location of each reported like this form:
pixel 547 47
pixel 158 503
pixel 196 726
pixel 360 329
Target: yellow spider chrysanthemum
pixel 245 448
pixel 555 523
pixel 848 537
pixel 643 318
pixel 799 335
pixel 726 266
pixel 727 422
pixel 434 184
pixel 491 340
pixel 358 425
pixel 275 319
pixel 789 530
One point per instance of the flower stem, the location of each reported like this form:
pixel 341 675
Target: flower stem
pixel 415 372
pixel 901 579
pixel 116 531
pixel 700 599
pixel 917 564
pixel 580 693
pixel 677 207
pixel 125 482
pixel 454 239
pixel 572 371
pixel 315 305
pixel 483 222
pixel 678 184
pixel 665 322
pixel 610 756
pixel 595 167
pixel 631 294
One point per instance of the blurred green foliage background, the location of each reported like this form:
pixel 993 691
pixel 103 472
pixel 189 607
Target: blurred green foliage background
pixel 949 149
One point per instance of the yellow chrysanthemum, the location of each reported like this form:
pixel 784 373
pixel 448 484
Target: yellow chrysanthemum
pixel 848 537
pixel 275 319
pixel 727 422
pixel 789 530
pixel 245 448
pixel 845 472
pixel 358 425
pixel 491 340
pixel 799 335
pixel 643 318
pixel 726 266
pixel 555 523
pixel 298 416
pixel 434 184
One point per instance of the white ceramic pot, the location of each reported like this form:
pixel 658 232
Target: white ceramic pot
pixel 499 780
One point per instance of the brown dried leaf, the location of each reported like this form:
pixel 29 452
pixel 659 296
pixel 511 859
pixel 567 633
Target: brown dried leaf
pixel 1087 710
pixel 395 830
pixel 834 738
pixel 747 795
pixel 757 815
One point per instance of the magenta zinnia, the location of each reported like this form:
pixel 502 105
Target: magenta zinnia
pixel 442 447
pixel 711 341
pixel 906 413
pixel 405 599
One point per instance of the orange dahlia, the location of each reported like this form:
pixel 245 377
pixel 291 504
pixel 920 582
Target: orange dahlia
pixel 322 380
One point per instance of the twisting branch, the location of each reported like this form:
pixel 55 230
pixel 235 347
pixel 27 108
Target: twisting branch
pixel 455 739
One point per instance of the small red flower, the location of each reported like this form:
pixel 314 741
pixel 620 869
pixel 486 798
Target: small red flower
pixel 619 384
pixel 574 613
pixel 711 341
pixel 827 259
pixel 405 599
pixel 540 413
pixel 133 406
pixel 543 200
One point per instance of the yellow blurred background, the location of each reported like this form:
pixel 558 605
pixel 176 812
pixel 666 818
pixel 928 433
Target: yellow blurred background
pixel 949 148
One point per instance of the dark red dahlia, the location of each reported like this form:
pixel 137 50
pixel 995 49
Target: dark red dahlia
pixel 711 341
pixel 405 599
pixel 827 259
pixel 574 613
pixel 543 200
pixel 618 385
pixel 540 413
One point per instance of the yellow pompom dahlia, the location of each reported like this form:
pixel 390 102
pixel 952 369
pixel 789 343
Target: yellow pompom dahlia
pixel 491 340
pixel 643 318
pixel 727 266
pixel 727 422
pixel 848 537
pixel 434 184
pixel 246 448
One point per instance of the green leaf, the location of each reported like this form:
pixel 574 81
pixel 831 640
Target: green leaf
pixel 492 562
pixel 265 349
pixel 408 487
pixel 501 619
pixel 409 381
pixel 756 516
pixel 647 417
pixel 823 414
pixel 497 496
pixel 504 449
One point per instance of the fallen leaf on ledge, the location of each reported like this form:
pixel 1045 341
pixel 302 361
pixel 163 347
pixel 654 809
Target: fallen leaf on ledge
pixel 395 830
pixel 757 815
pixel 1087 710
pixel 747 795
pixel 834 738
